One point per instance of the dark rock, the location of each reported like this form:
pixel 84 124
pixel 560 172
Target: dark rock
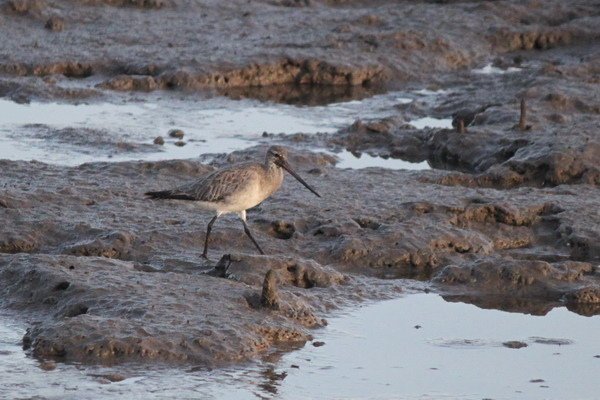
pixel 176 133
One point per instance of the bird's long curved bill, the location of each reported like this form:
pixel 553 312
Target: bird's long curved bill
pixel 289 169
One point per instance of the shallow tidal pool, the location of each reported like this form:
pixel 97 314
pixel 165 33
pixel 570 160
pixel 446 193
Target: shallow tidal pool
pixel 124 129
pixel 415 347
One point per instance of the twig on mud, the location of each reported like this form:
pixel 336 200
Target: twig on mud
pixel 523 116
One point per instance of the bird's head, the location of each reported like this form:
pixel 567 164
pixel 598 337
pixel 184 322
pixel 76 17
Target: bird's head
pixel 277 155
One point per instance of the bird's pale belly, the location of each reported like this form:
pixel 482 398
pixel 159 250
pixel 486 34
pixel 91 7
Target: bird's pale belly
pixel 237 202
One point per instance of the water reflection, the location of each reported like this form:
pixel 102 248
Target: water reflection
pixel 533 306
pixel 429 348
pixel 304 95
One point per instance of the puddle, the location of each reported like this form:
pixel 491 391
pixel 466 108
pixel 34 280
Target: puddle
pixel 364 160
pixel 429 349
pixel 429 92
pixel 434 349
pixel 489 69
pixel 431 122
pixel 211 125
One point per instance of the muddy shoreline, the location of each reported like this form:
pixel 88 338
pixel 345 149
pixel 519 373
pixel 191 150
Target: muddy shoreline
pixel 193 46
pixel 507 219
pixel 110 273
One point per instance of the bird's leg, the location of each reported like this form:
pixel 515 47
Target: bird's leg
pixel 247 230
pixel 208 229
pixel 242 215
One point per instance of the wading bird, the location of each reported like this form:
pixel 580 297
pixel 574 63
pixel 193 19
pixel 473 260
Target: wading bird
pixel 465 117
pixel 236 189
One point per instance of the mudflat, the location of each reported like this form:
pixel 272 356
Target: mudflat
pixel 508 217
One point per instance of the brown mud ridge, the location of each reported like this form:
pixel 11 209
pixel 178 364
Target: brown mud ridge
pixel 108 276
pixel 177 44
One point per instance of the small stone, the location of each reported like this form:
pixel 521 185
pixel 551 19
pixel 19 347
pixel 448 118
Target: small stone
pixel 518 60
pixel 55 24
pixel 114 377
pixel 180 143
pixel 514 344
pixel 27 340
pixel 48 365
pixel 110 377
pixel 176 133
pixel 159 140
pixel 558 118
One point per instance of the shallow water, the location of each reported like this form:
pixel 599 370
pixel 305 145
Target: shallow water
pixel 431 122
pixel 127 130
pixel 416 347
pixel 364 160
pixel 489 69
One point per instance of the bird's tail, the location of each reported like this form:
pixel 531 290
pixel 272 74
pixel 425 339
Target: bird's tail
pixel 162 194
pixel 168 194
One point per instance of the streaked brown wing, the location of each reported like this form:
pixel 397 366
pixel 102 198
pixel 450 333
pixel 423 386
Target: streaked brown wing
pixel 220 184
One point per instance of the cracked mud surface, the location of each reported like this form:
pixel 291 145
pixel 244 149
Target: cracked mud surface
pixel 508 218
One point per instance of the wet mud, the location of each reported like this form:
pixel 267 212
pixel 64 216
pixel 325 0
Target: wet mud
pixel 86 253
pixel 264 43
pixel 507 218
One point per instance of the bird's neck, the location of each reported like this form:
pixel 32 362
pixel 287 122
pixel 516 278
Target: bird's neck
pixel 275 173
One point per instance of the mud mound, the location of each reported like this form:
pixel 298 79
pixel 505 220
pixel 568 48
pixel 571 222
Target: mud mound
pixel 82 139
pixel 524 278
pixel 83 323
